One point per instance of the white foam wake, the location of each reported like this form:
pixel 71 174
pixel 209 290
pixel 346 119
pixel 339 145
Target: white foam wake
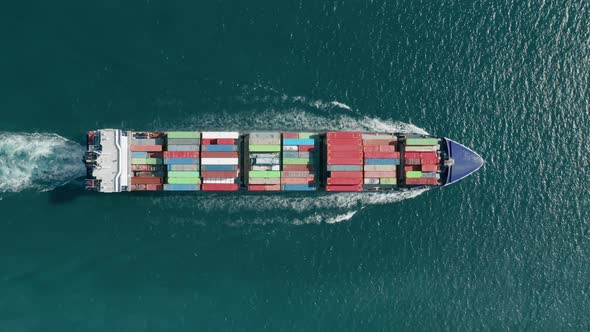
pixel 292 120
pixel 37 161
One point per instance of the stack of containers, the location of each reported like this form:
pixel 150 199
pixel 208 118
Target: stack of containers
pixel 265 161
pixel 344 161
pixel 422 161
pixel 182 161
pixel 220 161
pixel 299 162
pixel 381 160
pixel 146 162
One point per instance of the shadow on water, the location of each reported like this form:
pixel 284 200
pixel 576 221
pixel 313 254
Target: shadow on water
pixel 69 192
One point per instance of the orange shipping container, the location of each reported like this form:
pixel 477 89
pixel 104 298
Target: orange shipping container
pixel 263 187
pixel 146 180
pixel 309 180
pixel 145 148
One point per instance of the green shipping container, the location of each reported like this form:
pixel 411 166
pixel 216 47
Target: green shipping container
pixel 183 174
pixel 183 180
pixel 307 135
pixel 297 161
pixel 421 141
pixel 264 174
pixel 388 181
pixel 413 174
pixel 138 161
pixel 183 134
pixel 264 148
pixel 154 161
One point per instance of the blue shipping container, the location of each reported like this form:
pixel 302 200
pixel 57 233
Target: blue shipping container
pixel 298 141
pixel 181 187
pixel 139 154
pixel 428 174
pixel 288 154
pixel 221 148
pixel 298 187
pixel 219 167
pixel 381 161
pixel 181 161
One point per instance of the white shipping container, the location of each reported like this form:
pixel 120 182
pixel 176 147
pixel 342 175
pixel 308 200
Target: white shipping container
pixel 264 155
pixel 371 180
pixel 220 134
pixel 219 161
pixel 264 141
pixel 263 168
pixel 378 136
pixel 425 148
pixel 292 148
pixel 276 168
pixel 380 168
pixel 219 180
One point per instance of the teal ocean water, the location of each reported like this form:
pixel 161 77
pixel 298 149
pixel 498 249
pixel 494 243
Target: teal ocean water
pixel 505 249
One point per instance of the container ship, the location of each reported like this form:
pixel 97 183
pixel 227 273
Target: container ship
pixel 123 161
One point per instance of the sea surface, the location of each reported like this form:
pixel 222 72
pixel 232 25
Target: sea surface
pixel 505 249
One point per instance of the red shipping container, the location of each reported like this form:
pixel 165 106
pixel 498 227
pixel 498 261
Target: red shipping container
pixel 350 134
pixel 346 174
pixel 296 174
pixel 345 181
pixel 423 181
pixel 219 187
pixel 308 180
pixel 428 155
pixel 345 141
pixel 429 168
pixel 412 168
pixel 219 174
pixel 154 187
pixel 264 187
pixel 208 141
pixel 345 154
pixel 345 188
pixel 219 154
pixel 155 155
pixel 348 148
pixel 226 141
pixel 412 155
pixel 380 174
pixel 430 161
pixel 306 148
pixel 382 155
pixel 181 154
pixel 373 142
pixel 298 168
pixel 290 135
pixel 145 148
pixel 146 180
pixel 345 161
pixel 379 148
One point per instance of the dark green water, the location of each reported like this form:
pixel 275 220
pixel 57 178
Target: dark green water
pixel 505 249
